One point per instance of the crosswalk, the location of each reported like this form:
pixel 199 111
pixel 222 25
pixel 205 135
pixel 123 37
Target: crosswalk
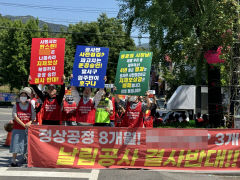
pixel 40 172
pixel 48 173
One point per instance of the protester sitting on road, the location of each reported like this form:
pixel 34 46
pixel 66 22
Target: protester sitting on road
pixel 134 111
pixel 85 113
pixel 205 120
pixel 199 120
pixel 176 118
pixel 23 114
pixel 51 108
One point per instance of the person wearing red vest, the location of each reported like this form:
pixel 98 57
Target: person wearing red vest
pixel 148 119
pixel 85 113
pixel 38 106
pixel 51 108
pixel 23 114
pixel 69 111
pixel 120 112
pixel 133 117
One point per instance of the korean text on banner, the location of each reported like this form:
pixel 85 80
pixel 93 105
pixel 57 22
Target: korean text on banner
pixel 103 147
pixel 133 72
pixel 90 66
pixel 47 60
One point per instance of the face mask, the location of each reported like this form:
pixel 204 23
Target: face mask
pixel 133 98
pixel 23 99
pixel 69 100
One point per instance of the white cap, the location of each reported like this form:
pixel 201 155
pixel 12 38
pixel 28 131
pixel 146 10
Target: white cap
pixel 26 90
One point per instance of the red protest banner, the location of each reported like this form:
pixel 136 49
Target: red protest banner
pixel 47 60
pixel 104 147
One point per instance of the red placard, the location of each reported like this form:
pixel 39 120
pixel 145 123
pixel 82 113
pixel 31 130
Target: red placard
pixel 47 60
pixel 105 147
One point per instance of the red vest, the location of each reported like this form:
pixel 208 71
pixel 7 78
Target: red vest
pixel 118 120
pixel 148 119
pixel 112 117
pixel 23 115
pixel 69 111
pixel 51 110
pixel 133 117
pixel 86 112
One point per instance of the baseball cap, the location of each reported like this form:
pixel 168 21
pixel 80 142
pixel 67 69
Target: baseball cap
pixel 26 90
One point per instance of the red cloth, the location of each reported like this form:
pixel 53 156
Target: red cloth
pixel 119 119
pixel 86 112
pixel 69 111
pixel 39 116
pixel 133 117
pixel 200 119
pixel 112 117
pixel 148 119
pixel 51 110
pixel 23 115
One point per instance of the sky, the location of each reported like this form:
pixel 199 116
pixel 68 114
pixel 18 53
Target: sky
pixel 63 11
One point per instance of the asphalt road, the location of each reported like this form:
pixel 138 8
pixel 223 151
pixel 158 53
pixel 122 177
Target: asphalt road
pixel 5 116
pixel 23 172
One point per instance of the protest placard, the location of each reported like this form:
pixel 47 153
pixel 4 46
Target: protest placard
pixel 133 72
pixel 90 66
pixel 47 60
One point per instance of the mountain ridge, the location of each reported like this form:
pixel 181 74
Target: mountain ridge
pixel 55 27
pixel 52 26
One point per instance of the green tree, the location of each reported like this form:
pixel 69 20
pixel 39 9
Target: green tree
pixel 106 32
pixel 183 30
pixel 15 55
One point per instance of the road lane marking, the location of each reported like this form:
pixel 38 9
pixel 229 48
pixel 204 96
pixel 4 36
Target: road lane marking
pixel 95 173
pixel 7 113
pixel 12 173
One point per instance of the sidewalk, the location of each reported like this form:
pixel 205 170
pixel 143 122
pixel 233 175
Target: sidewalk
pixel 23 172
pixel 5 156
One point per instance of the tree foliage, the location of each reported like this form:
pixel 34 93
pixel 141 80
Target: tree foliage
pixel 16 38
pixel 183 30
pixel 15 45
pixel 106 32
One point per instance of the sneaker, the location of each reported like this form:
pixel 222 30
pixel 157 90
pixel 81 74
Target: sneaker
pixel 25 158
pixel 14 164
